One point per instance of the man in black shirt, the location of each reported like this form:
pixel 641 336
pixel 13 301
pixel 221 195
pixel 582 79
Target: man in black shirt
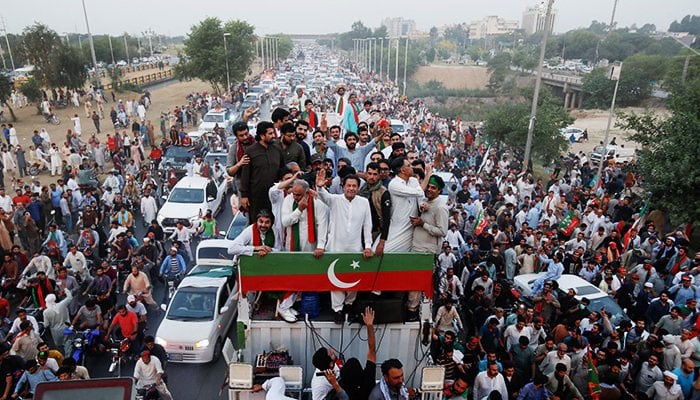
pixel 11 368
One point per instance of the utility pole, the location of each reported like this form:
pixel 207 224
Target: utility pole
pixel 615 75
pixel 612 19
pixel 396 69
pixel 685 68
pixel 126 50
pixel 228 77
pixel 381 58
pixel 7 42
pixel 111 49
pixel 92 45
pixel 538 83
pixel 388 59
pixel 405 66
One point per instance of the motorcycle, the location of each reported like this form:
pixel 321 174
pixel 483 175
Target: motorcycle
pixel 148 392
pixel 119 350
pixel 52 119
pixel 80 342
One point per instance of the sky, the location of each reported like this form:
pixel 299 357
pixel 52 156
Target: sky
pixel 175 17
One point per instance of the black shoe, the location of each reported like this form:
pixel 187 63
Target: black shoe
pixel 339 317
pixel 412 316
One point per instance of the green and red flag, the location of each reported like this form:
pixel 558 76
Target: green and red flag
pixel 593 381
pixel 301 271
pixel 569 223
pixel 481 223
pixel 635 225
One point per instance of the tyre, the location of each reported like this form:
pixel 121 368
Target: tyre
pixel 218 348
pixel 34 170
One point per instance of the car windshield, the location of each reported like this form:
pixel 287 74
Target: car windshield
pixel 211 157
pixel 214 118
pixel 178 151
pixel 190 304
pixel 237 226
pixel 220 253
pixel 397 128
pixel 610 306
pixel 187 196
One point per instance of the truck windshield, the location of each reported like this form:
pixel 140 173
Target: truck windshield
pixel 214 118
pixel 187 196
pixel 191 304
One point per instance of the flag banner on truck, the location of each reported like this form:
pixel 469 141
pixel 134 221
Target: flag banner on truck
pixel 569 223
pixel 337 271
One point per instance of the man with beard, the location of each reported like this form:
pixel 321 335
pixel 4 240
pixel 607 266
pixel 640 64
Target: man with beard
pixel 291 150
pixel 356 154
pixel 380 205
pixel 236 157
pixel 257 237
pixel 259 174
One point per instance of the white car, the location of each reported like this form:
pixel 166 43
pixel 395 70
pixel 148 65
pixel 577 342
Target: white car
pixel 598 298
pixel 191 197
pixel 577 133
pixel 201 311
pixel 220 118
pixel 397 127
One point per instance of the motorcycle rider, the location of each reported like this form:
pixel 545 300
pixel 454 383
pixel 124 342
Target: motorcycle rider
pixel 55 239
pixel 101 287
pixel 137 283
pixel 148 370
pixel 75 260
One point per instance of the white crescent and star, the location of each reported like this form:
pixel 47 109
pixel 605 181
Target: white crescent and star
pixel 337 282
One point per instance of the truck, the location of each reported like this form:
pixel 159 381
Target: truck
pixel 617 152
pixel 258 333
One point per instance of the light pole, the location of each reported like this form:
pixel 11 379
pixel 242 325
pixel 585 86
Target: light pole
pixel 381 57
pixel 111 50
pixel 615 75
pixel 228 78
pixel 396 72
pixel 7 42
pixel 92 45
pixel 388 59
pixel 405 65
pixel 262 51
pixel 538 82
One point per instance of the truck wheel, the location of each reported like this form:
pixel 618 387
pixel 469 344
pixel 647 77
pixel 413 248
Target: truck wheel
pixel 218 347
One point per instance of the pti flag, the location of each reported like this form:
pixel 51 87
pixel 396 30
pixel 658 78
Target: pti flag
pixel 481 223
pixel 337 271
pixel 642 214
pixel 593 381
pixel 569 223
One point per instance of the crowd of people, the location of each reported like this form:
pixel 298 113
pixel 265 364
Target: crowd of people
pixel 354 185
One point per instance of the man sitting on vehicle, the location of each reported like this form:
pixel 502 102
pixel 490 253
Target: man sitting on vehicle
pixel 75 260
pixel 128 324
pixel 257 237
pixel 89 316
pixel 173 266
pixel 137 283
pixel 21 317
pixel 148 371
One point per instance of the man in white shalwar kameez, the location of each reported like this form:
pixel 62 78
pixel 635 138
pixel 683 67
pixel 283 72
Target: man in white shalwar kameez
pixel 277 193
pixel 149 207
pixel 406 192
pixel 349 230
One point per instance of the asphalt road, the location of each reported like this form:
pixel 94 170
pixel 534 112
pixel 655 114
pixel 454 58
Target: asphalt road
pixel 185 381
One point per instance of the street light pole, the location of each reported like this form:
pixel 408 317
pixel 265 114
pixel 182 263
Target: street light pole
pixel 111 50
pixel 396 69
pixel 7 42
pixel 614 74
pixel 228 78
pixel 92 45
pixel 388 59
pixel 126 50
pixel 381 57
pixel 538 82
pixel 405 65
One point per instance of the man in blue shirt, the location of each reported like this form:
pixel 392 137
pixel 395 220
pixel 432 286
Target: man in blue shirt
pixel 33 376
pixel 535 390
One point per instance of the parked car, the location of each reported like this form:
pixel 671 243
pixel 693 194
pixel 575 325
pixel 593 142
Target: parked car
pixel 577 133
pixel 597 297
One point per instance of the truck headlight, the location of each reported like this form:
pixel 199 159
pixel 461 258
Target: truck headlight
pixel 161 341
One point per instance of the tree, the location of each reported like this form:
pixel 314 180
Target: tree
pixel 639 73
pixel 509 124
pixel 69 68
pixel 284 45
pixel 499 65
pixel 38 46
pixel 667 161
pixel 689 23
pixel 597 27
pixel 647 29
pixel 433 35
pixel 204 56
pixel 32 89
pixel 381 32
pixel 579 43
pixel 5 93
pixel 358 30
pixel 459 34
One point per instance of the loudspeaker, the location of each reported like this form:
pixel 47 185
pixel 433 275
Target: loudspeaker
pixel 386 310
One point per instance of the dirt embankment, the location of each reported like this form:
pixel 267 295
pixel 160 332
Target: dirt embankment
pixel 453 76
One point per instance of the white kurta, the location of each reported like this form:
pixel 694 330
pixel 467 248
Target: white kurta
pixel 276 196
pixel 149 208
pixel 291 217
pixel 349 221
pixel 242 245
pixel 404 204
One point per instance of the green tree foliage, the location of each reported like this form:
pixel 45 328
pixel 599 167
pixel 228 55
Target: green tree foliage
pixel 32 89
pixel 639 73
pixel 380 32
pixel 598 27
pixel 667 161
pixel 524 59
pixel 689 23
pixel 357 31
pixel 458 33
pixel 620 45
pixel 284 46
pixel 69 68
pixel 39 45
pixel 499 66
pixel 5 93
pixel 508 124
pixel 647 29
pixel 580 43
pixel 204 56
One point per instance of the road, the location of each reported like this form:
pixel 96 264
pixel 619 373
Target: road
pixel 185 381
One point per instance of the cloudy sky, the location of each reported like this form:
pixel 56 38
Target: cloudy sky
pixel 175 17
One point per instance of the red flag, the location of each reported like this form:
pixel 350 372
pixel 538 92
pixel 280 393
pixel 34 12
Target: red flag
pixel 481 223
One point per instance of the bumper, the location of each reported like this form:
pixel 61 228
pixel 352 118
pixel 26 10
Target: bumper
pixel 187 354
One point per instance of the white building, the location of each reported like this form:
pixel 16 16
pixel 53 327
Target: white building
pixel 399 27
pixel 490 26
pixel 534 19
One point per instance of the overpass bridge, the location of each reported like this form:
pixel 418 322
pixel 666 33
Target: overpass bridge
pixel 311 36
pixel 570 87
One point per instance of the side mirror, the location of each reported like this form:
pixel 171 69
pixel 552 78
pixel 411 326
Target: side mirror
pixel 163 307
pixel 210 199
pixel 223 309
pixel 164 197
